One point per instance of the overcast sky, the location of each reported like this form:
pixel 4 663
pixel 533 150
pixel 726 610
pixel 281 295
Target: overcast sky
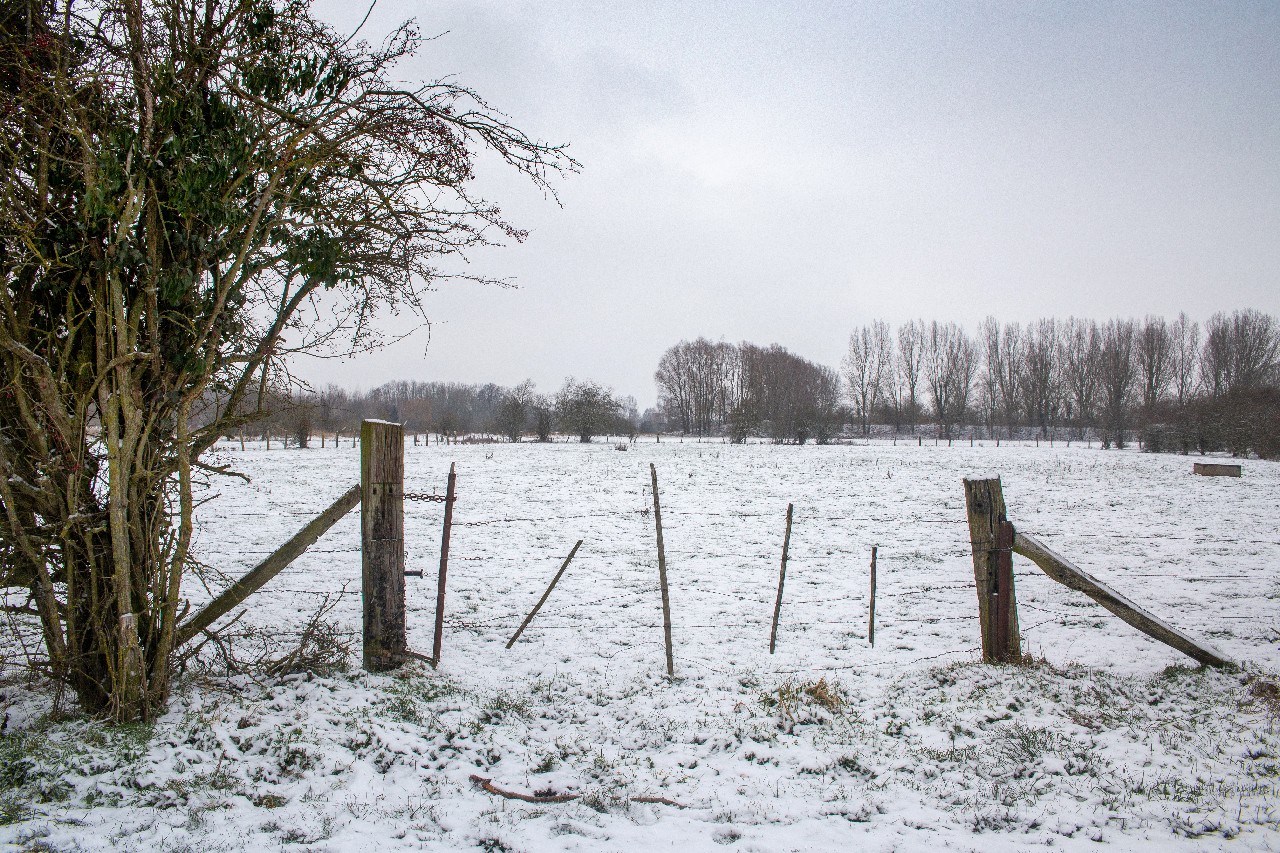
pixel 783 172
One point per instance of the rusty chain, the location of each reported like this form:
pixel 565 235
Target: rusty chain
pixel 423 496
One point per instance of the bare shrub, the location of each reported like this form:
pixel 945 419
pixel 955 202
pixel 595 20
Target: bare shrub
pixel 322 647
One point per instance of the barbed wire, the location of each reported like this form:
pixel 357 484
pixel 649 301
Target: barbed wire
pixel 1121 537
pixel 578 617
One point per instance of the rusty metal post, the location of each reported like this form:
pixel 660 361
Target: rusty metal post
pixel 871 614
pixel 782 579
pixel 449 497
pixel 1002 595
pixel 662 572
pixel 541 601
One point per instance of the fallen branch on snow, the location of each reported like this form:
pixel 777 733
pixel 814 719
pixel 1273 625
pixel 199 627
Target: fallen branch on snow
pixel 487 785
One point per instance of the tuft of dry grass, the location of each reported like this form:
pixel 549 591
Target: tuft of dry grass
pixel 1267 694
pixel 825 694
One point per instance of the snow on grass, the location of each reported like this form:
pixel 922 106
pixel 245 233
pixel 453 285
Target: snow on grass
pixel 827 744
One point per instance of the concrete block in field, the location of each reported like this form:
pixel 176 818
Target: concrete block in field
pixel 1212 469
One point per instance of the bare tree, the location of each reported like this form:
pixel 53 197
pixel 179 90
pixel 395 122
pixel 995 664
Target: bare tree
pixel 675 386
pixel 1041 375
pixel 515 409
pixel 1082 356
pixel 543 417
pixel 1002 349
pixel 1185 355
pixel 783 396
pixel 1155 354
pixel 1240 351
pixel 988 399
pixel 695 380
pixel 909 368
pixel 952 363
pixel 301 411
pixel 191 188
pixel 866 366
pixel 1117 375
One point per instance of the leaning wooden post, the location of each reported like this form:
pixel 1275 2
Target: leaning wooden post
pixel 871 614
pixel 993 570
pixel 1067 573
pixel 662 570
pixel 449 496
pixel 541 601
pixel 382 544
pixel 782 579
pixel 268 568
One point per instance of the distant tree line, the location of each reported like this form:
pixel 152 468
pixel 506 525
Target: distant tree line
pixel 744 390
pixel 1171 385
pixel 582 408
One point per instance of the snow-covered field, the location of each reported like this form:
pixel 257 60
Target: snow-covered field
pixel 829 744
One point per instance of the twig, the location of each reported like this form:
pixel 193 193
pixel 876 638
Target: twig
pixel 224 470
pixel 487 785
pixel 661 801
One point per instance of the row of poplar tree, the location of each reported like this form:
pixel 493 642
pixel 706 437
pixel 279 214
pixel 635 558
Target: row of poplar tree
pixel 1173 385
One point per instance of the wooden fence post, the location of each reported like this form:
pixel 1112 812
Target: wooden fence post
pixel 782 579
pixel 871 615
pixel 382 544
pixel 662 571
pixel 991 536
pixel 449 497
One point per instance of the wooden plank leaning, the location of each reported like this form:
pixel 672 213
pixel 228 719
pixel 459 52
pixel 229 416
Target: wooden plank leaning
pixel 268 568
pixel 1065 572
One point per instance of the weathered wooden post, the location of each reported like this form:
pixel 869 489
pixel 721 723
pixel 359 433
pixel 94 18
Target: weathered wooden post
pixel 991 536
pixel 382 544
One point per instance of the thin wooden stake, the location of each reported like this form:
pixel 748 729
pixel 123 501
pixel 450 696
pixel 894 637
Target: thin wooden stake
pixel 782 579
pixel 871 616
pixel 662 571
pixel 541 601
pixel 449 496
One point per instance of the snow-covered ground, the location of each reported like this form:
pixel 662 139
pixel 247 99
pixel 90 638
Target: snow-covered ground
pixel 828 744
